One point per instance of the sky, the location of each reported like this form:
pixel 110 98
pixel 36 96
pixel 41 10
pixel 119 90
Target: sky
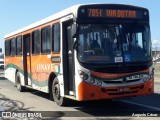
pixel 16 14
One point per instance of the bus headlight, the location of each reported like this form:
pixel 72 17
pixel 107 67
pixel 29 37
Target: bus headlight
pixel 145 79
pixel 92 81
pixel 83 75
pixel 99 83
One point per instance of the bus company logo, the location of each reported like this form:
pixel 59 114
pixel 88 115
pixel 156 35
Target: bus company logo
pixel 124 80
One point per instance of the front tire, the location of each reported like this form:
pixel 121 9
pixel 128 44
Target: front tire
pixel 18 83
pixel 56 93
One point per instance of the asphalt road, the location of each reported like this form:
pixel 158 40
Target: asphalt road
pixel 31 100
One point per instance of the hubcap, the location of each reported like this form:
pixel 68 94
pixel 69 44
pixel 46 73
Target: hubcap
pixel 57 91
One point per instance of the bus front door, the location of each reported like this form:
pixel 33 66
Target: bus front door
pixel 26 59
pixel 68 60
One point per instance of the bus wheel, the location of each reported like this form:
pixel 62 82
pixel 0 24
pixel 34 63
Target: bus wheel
pixel 56 93
pixel 18 83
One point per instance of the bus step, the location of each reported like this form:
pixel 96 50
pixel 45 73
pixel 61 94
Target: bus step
pixel 70 97
pixel 71 93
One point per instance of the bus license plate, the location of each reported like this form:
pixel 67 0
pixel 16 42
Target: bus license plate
pixel 124 89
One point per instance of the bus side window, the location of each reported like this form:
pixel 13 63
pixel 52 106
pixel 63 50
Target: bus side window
pixel 13 46
pixel 7 47
pixel 36 42
pixel 56 38
pixel 19 45
pixel 45 40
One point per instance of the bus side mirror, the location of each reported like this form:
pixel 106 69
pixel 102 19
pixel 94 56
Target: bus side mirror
pixel 74 30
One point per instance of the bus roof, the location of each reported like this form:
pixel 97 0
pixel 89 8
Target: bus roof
pixel 70 10
pixel 63 13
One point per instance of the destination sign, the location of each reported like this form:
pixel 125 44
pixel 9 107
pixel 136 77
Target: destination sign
pixel 114 13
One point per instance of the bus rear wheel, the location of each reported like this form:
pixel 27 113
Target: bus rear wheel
pixel 18 83
pixel 56 93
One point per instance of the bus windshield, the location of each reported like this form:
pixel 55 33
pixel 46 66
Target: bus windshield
pixel 117 43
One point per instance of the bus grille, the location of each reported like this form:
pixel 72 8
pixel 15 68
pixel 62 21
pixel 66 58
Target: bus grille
pixel 122 90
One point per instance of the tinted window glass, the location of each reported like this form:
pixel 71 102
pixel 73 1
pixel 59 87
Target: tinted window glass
pixel 56 38
pixel 46 44
pixel 26 44
pixel 36 42
pixel 7 48
pixel 13 46
pixel 19 45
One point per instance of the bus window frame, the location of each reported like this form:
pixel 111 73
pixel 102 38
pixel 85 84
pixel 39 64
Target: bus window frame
pixel 53 38
pixel 17 46
pixel 32 34
pixel 14 41
pixel 41 50
pixel 6 49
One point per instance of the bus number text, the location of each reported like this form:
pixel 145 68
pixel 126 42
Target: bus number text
pixel 95 12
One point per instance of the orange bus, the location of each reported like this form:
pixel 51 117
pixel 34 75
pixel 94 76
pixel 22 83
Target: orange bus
pixel 85 52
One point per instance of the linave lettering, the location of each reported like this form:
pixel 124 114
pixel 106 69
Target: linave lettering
pixel 45 67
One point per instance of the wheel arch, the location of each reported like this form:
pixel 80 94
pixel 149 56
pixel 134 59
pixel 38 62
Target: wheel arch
pixel 16 75
pixel 19 82
pixel 50 81
pixel 52 76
